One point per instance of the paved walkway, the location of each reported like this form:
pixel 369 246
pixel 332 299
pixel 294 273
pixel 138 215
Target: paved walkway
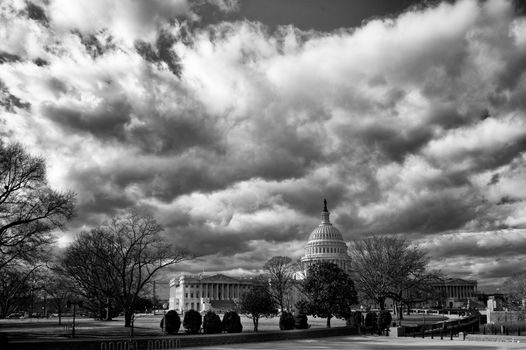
pixel 369 342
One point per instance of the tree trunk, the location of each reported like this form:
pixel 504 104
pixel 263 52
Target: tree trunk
pixel 329 322
pixel 60 316
pixel 108 310
pixel 255 320
pixel 128 314
pixel 401 311
pixel 382 303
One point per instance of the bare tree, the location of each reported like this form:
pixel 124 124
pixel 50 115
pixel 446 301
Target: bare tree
pixel 280 270
pixel 29 213
pixel 515 290
pixel 390 267
pixel 29 209
pixel 125 255
pixel 14 287
pixel 86 262
pixel 60 290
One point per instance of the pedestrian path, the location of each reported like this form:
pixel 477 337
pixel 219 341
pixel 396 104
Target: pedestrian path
pixel 368 342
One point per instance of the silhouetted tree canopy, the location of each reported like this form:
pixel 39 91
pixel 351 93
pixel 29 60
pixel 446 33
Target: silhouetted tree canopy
pixel 29 213
pixel 256 303
pixel 29 209
pixel 330 292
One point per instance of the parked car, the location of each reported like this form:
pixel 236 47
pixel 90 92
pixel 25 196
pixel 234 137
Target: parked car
pixel 16 315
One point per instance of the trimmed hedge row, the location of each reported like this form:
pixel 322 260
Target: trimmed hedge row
pixel 193 320
pixel 231 323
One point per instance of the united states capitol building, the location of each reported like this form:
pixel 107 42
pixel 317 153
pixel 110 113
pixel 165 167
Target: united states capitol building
pixel 325 244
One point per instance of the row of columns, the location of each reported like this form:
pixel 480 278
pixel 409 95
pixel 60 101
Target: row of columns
pixel 326 250
pixel 219 291
pixel 460 292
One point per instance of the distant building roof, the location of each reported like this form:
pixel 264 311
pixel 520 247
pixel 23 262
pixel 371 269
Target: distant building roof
pixel 455 282
pixel 217 278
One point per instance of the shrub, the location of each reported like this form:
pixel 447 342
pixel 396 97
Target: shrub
pixel 232 322
pixel 300 320
pixel 357 318
pixel 192 321
pixel 212 323
pixel 371 320
pixel 286 321
pixel 384 320
pixel 173 322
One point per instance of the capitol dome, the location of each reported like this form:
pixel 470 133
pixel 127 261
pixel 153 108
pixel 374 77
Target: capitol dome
pixel 326 244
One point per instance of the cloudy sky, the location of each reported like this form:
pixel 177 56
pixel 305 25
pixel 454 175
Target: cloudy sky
pixel 230 121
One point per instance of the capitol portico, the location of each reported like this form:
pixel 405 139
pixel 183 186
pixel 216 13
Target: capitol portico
pixel 202 293
pixel 326 244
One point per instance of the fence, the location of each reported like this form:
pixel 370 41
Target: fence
pixel 164 344
pixel 445 329
pixel 132 344
pixel 126 344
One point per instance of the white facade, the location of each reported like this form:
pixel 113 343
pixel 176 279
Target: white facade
pixel 203 293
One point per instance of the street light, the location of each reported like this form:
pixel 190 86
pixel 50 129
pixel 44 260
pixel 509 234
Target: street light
pixel 165 306
pixel 74 303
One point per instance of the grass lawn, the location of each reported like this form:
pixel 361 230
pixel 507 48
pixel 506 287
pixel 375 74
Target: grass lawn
pixel 145 325
pixel 419 319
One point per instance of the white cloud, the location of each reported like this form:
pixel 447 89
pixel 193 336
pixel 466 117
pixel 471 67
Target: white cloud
pixel 487 137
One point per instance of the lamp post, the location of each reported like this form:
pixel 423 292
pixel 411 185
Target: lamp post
pixel 74 303
pixel 165 306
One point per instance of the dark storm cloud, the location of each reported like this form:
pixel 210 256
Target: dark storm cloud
pixel 107 121
pixel 429 214
pixel 162 52
pixel 489 244
pixel 502 267
pixel 99 192
pixel 11 102
pixel 395 143
pixel 95 46
pixel 172 135
pixel 223 244
pixel 6 57
pixel 37 13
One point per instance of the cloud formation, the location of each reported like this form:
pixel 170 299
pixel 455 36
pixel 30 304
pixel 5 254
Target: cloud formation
pixel 232 133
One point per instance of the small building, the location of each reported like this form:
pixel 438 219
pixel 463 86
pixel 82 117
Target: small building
pixel 202 293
